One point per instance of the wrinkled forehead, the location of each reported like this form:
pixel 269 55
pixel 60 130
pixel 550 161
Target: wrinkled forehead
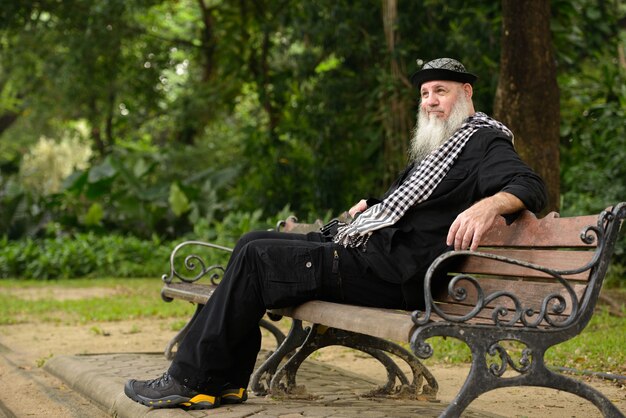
pixel 434 84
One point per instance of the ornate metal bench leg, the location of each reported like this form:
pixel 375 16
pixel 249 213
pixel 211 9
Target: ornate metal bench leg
pixel 290 368
pixel 480 381
pixel 483 378
pixel 180 335
pixel 420 372
pixel 262 376
pixel 568 384
pixel 393 371
pixel 473 387
pixel 321 336
pixel 277 333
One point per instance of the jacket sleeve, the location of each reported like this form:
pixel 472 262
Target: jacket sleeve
pixel 502 170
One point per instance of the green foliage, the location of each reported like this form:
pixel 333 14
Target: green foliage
pixel 236 223
pixel 48 163
pixel 293 91
pixel 585 29
pixel 594 144
pixel 196 109
pixel 144 193
pixel 82 255
pixel 92 255
pixel 21 212
pixel 593 109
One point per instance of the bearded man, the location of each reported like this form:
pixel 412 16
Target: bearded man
pixel 463 174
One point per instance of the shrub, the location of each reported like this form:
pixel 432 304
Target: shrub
pixel 82 255
pixel 49 162
pixel 114 255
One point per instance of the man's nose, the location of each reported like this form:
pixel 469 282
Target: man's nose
pixel 431 101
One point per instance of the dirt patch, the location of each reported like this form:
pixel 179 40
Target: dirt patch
pixel 61 293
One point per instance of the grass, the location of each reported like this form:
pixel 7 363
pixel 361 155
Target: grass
pixel 85 301
pixel 600 347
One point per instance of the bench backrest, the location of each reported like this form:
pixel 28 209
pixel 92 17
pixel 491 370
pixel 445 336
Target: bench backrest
pixel 535 272
pixel 545 249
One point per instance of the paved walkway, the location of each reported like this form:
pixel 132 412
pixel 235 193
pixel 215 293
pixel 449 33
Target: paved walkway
pixel 330 392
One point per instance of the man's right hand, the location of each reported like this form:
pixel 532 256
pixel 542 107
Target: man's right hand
pixel 469 227
pixel 358 208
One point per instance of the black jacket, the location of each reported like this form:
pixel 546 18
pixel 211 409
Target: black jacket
pixel 401 253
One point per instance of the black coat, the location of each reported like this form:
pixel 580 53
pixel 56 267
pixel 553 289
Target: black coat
pixel 488 164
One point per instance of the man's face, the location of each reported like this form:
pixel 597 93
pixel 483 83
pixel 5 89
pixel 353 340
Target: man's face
pixel 444 107
pixel 438 98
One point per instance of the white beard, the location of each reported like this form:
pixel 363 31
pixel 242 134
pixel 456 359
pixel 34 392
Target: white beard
pixel 431 132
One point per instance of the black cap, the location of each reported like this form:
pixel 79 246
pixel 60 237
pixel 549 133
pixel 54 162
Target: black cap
pixel 442 69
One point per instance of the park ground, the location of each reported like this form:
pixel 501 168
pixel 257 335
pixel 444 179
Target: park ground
pixel 27 390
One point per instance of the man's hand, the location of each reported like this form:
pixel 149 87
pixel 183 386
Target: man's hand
pixel 469 227
pixel 359 207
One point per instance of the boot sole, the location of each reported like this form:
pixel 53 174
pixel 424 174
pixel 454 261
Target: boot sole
pixel 234 396
pixel 199 401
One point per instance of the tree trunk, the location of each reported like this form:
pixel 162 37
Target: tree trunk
pixel 208 41
pixel 527 97
pixel 395 105
pixel 96 133
pixel 7 119
pixel 199 113
pixel 108 122
pixel 260 69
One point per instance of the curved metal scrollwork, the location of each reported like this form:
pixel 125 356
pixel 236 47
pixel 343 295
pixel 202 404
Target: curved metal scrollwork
pixel 280 225
pixel 553 305
pixel 195 264
pixel 498 370
pixel 420 347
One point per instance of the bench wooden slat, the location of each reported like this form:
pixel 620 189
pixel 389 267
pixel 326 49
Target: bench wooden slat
pixel 191 292
pixel 528 231
pixel 485 317
pixel 531 293
pixel 383 323
pixel 558 260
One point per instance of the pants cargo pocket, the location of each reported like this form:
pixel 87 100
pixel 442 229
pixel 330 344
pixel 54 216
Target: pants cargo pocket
pixel 290 275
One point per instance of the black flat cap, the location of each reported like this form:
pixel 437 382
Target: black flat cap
pixel 442 69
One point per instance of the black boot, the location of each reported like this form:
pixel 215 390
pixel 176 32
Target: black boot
pixel 165 392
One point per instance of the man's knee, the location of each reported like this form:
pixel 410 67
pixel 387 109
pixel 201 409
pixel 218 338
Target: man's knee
pixel 249 237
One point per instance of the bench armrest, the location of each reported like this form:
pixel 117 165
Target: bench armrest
pixel 559 303
pixel 194 264
pixel 463 284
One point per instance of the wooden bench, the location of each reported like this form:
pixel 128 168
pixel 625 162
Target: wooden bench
pixel 534 282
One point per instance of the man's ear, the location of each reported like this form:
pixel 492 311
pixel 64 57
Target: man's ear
pixel 469 91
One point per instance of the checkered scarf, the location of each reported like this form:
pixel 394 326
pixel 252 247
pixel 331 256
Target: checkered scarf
pixel 418 187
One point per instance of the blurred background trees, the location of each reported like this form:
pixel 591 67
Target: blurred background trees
pixel 153 117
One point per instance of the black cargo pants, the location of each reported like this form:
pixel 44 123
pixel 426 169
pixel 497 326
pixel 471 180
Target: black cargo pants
pixel 269 270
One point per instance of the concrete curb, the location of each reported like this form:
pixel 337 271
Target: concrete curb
pixel 102 390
